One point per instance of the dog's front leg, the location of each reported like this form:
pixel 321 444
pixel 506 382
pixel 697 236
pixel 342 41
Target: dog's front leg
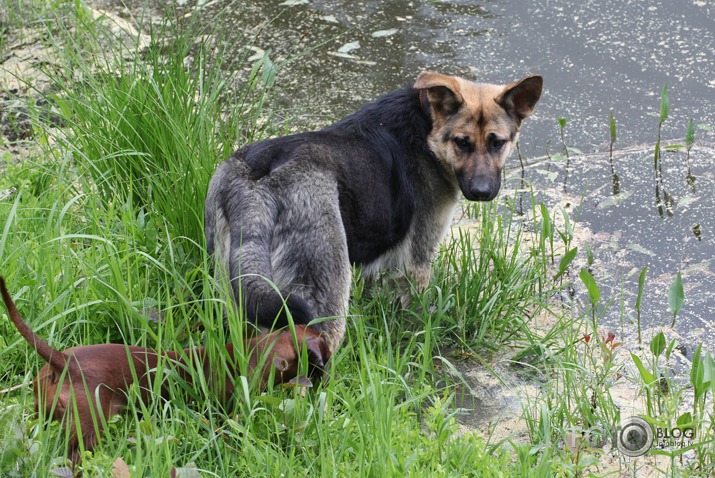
pixel 413 282
pixel 418 265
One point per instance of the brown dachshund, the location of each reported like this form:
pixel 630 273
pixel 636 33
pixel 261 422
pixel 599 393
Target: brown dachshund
pixel 96 378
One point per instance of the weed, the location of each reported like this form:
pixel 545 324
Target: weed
pixel 562 127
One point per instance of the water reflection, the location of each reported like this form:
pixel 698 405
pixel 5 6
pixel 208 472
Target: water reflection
pixel 664 204
pixel 690 178
pixel 615 181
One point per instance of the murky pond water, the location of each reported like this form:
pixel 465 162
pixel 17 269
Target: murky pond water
pixel 596 58
pixel 630 219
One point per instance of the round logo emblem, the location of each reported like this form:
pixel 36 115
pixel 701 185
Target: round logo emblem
pixel 634 437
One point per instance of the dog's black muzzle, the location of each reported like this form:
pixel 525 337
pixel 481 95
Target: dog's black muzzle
pixel 480 187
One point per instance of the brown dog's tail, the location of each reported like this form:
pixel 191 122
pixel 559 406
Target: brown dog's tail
pixel 54 357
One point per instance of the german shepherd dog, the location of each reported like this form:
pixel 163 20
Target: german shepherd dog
pixel 285 218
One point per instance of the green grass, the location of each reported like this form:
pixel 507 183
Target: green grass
pixel 104 234
pixel 102 242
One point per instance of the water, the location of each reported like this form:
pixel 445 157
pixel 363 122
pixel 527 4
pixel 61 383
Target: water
pixel 596 58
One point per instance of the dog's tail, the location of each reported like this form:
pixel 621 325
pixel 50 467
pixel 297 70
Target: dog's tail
pixel 267 306
pixel 54 357
pixel 239 231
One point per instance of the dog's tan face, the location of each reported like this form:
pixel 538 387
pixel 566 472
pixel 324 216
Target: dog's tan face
pixel 475 127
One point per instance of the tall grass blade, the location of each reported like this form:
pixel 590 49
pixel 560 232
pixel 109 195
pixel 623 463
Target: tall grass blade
pixel 639 298
pixel 664 104
pixel 676 296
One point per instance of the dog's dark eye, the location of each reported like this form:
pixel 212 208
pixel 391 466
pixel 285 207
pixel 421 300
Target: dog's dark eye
pixel 494 143
pixel 463 143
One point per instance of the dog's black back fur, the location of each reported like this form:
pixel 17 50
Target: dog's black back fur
pixel 393 130
pixel 377 146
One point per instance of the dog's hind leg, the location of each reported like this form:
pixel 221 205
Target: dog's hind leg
pixel 309 252
pixel 240 219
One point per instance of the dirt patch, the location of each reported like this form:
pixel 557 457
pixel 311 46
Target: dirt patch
pixel 29 56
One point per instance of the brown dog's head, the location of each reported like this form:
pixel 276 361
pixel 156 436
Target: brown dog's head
pixel 475 127
pixel 285 356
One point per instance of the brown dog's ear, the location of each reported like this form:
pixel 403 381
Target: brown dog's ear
pixel 443 91
pixel 318 355
pixel 519 98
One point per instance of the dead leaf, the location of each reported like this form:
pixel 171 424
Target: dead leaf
pixel 120 469
pixel 353 45
pixel 63 471
pixel 384 33
pixel 300 381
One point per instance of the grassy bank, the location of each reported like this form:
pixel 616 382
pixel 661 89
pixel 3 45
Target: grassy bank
pixel 101 241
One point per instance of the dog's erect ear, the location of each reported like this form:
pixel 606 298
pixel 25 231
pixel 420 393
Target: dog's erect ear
pixel 519 98
pixel 443 92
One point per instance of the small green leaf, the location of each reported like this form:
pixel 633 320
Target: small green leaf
pixel 613 129
pixel 547 230
pixel 664 104
pixel 589 255
pixel 695 368
pixel 670 348
pixel 566 261
pixel 562 122
pixel 146 427
pixel 593 293
pixel 648 378
pixel 657 345
pixel 684 419
pixel 701 373
pixel 270 400
pixel 641 283
pixel 676 296
pixel 655 422
pixel 690 135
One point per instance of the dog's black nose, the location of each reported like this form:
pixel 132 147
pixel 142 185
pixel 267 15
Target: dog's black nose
pixel 483 189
